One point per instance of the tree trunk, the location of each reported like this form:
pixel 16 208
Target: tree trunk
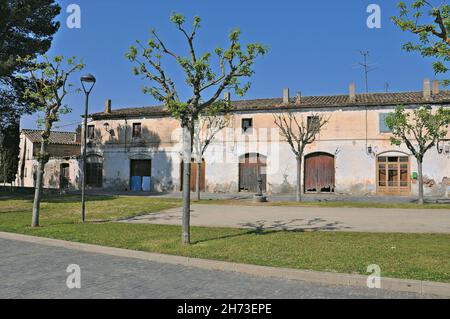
pixel 299 179
pixel 197 182
pixel 38 186
pixel 187 151
pixel 420 177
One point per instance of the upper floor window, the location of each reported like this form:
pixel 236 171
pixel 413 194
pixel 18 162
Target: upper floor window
pixel 384 128
pixel 313 124
pixel 91 132
pixel 247 125
pixel 137 129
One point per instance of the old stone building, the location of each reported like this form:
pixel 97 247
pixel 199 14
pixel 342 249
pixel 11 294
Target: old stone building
pixel 61 171
pixel 140 148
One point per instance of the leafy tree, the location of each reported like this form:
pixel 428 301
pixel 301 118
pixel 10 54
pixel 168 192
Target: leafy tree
pixel 299 134
pixel 419 130
pixel 432 25
pixel 49 87
pixel 205 82
pixel 9 152
pixel 26 29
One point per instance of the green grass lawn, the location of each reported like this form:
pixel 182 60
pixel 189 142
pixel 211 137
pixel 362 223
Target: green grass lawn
pixel 411 256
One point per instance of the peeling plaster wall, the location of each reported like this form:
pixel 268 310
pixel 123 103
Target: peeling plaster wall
pixel 344 137
pixel 28 165
pixel 164 169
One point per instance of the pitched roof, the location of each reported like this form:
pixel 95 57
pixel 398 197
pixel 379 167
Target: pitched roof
pixel 61 138
pixel 369 99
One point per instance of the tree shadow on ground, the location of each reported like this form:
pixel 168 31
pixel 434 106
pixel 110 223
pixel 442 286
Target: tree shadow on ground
pixel 297 225
pixel 263 227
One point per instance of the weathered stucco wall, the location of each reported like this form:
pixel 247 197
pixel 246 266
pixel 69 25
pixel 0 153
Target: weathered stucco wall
pixel 346 136
pixel 52 171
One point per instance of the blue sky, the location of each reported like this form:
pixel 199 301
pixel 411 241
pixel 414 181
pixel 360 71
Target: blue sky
pixel 314 46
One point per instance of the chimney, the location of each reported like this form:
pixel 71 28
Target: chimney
pixel 426 90
pixel 286 97
pixel 108 104
pixel 435 87
pixel 227 96
pixel 298 99
pixel 352 92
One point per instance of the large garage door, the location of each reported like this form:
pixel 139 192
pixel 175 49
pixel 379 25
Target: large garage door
pixel 319 173
pixel 250 167
pixel 141 172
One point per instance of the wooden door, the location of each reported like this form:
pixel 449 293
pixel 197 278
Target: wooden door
pixel 252 166
pixel 141 172
pixel 193 182
pixel 393 175
pixel 319 173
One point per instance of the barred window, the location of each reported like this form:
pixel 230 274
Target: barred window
pixel 247 125
pixel 384 128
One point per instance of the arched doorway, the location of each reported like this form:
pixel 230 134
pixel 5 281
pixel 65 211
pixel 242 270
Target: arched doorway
pixel 319 173
pixel 64 176
pixel 393 174
pixel 94 171
pixel 251 166
pixel 193 182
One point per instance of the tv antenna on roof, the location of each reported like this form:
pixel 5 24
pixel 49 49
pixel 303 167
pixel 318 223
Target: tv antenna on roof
pixel 367 68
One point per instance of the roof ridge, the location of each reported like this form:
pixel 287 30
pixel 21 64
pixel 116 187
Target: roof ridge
pixel 36 130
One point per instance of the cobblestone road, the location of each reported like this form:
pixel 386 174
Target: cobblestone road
pixel 36 271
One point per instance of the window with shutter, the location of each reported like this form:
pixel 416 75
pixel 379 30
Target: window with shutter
pixel 383 126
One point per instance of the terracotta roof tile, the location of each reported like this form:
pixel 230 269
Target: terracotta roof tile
pixel 370 99
pixel 62 138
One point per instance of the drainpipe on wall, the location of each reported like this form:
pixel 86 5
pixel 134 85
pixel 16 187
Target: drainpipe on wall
pixel 126 137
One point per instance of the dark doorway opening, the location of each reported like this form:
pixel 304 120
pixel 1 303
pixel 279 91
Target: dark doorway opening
pixel 94 171
pixel 64 176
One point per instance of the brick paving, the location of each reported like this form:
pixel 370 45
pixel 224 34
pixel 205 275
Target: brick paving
pixel 36 271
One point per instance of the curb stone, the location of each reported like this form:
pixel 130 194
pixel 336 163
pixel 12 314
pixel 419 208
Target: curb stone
pixel 402 285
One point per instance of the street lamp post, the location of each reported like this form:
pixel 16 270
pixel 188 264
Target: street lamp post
pixel 86 81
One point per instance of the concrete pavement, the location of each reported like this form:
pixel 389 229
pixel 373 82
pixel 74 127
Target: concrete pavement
pixel 30 270
pixel 308 218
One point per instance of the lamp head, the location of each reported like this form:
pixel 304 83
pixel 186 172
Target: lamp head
pixel 88 79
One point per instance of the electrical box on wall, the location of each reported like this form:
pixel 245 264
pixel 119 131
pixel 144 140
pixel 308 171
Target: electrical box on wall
pixel 447 148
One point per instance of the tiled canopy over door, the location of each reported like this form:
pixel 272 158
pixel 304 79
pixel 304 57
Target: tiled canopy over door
pixel 141 171
pixel 319 173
